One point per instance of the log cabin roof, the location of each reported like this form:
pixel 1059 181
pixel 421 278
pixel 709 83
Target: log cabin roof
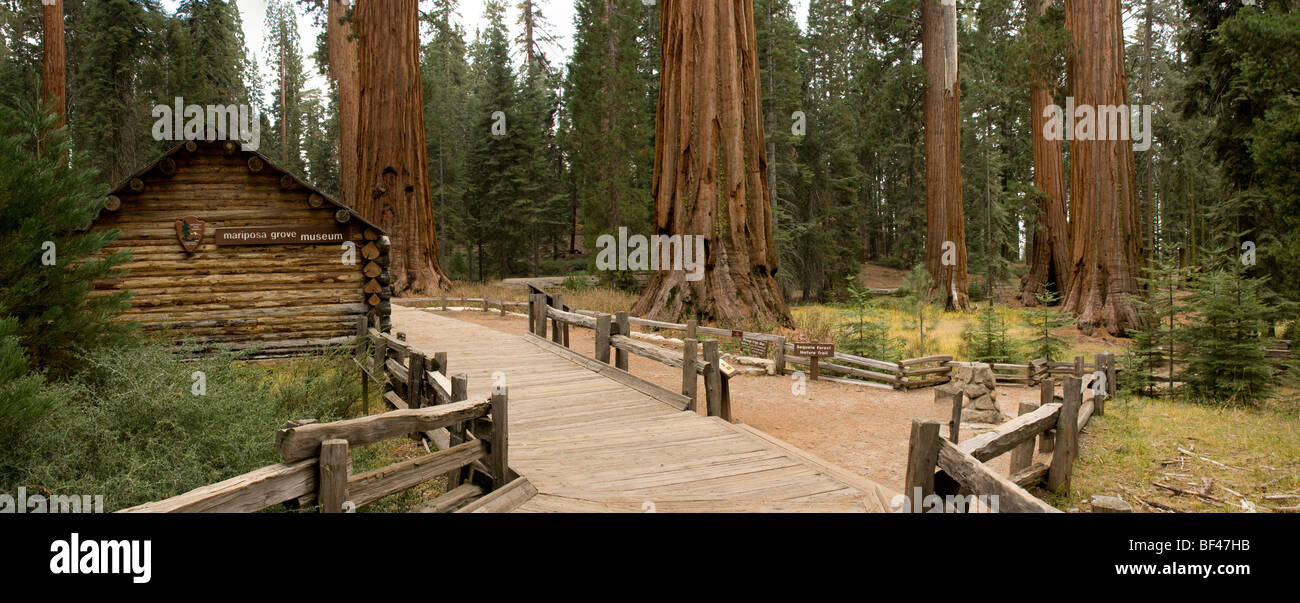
pixel 125 182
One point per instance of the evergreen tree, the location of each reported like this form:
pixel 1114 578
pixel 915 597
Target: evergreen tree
pixel 1044 320
pixel 113 87
pixel 497 149
pixel 865 332
pixel 1227 337
pixel 208 59
pixel 446 75
pixel 284 59
pixel 44 204
pixel 987 340
pixel 1155 341
pixel 609 130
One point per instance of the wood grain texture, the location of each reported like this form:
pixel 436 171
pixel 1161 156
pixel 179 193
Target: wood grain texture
pixel 302 442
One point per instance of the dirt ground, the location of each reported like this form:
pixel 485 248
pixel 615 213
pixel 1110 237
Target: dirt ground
pixel 862 429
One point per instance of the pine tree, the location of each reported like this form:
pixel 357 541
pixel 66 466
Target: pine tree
pixel 44 204
pixel 284 59
pixel 1227 337
pixel 865 332
pixel 446 75
pixel 1045 319
pixel 1155 341
pixel 496 138
pixel 922 300
pixel 609 131
pixel 987 340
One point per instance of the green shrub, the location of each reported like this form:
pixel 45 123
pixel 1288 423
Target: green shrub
pixel 130 426
pixel 24 396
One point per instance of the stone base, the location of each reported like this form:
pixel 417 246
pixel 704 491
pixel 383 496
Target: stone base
pixel 992 417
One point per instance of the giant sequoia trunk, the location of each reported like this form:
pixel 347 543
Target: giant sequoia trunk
pixel 393 185
pixel 53 62
pixel 1105 236
pixel 945 244
pixel 1050 255
pixel 344 70
pixel 710 173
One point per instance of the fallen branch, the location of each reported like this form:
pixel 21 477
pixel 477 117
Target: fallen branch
pixel 1280 496
pixel 1206 459
pixel 1206 497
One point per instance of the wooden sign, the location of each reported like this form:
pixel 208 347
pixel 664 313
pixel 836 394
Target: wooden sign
pixel 754 347
pixel 189 231
pixel 813 351
pixel 280 235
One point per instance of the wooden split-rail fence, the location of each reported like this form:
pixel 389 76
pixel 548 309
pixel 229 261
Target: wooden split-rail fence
pixel 946 467
pixel 614 342
pixel 472 437
pixel 912 373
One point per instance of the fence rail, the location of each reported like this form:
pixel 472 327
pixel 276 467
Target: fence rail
pixel 945 467
pixel 472 437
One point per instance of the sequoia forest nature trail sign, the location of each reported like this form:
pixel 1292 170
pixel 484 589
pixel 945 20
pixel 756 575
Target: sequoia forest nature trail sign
pixel 813 351
pixel 591 443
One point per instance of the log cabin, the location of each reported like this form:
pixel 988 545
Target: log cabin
pixel 230 250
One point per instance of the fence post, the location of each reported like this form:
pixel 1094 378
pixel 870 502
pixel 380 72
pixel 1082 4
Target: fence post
pixel 503 308
pixel 779 358
pixel 557 326
pixel 440 358
pixel 689 381
pixel 1023 455
pixel 1047 391
pixel 1078 366
pixel 620 356
pixel 363 335
pixel 539 315
pixel 455 432
pixel 499 458
pixel 415 381
pixel 485 304
pixel 691 326
pixel 444 303
pixel 332 483
pixel 954 427
pixel 922 457
pixel 712 379
pixel 1067 437
pixel 602 338
pixel 1112 376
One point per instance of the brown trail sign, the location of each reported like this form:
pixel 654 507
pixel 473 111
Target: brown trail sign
pixel 754 347
pixel 813 351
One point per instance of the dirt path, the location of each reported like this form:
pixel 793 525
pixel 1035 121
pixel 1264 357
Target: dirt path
pixel 862 429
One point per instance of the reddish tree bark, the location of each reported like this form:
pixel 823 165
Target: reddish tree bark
pixel 945 243
pixel 393 185
pixel 53 62
pixel 1050 255
pixel 710 173
pixel 344 69
pixel 1105 234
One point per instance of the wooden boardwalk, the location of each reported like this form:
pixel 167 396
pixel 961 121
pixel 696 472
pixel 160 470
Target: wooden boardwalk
pixel 589 442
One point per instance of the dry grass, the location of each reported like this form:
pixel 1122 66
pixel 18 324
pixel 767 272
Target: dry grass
pixel 943 334
pixel 1136 444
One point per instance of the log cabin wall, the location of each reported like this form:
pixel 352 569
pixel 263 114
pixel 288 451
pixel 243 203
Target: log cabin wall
pixel 285 298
